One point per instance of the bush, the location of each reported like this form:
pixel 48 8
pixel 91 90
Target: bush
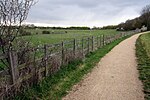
pixel 36 33
pixel 59 32
pixel 25 33
pixel 45 32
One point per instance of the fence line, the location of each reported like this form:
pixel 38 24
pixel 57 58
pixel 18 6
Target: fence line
pixel 47 60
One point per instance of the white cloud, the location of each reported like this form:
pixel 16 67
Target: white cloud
pixel 84 12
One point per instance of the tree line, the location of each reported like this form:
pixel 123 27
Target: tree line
pixel 32 26
pixel 142 20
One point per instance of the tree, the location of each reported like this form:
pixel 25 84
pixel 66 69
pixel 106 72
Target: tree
pixel 12 15
pixel 109 27
pixel 145 15
pixel 131 24
pixel 137 23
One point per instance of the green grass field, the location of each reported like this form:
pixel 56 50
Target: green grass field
pixel 71 34
pixel 41 39
pixel 143 55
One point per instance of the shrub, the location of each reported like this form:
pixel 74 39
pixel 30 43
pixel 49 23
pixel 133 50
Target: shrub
pixel 45 32
pixel 36 33
pixel 25 33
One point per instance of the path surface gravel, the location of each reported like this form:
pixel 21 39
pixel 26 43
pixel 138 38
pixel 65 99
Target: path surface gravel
pixel 114 78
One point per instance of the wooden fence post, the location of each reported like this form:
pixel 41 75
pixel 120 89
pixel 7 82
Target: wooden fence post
pixel 109 38
pixel 100 40
pixel 74 47
pixel 115 36
pixel 103 40
pixel 121 35
pixel 13 61
pixel 62 44
pixel 97 42
pixel 82 46
pixel 46 58
pixel 112 38
pixel 92 43
pixel 118 36
pixel 106 39
pixel 88 44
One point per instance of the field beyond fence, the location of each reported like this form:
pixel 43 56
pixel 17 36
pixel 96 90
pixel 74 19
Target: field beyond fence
pixel 46 60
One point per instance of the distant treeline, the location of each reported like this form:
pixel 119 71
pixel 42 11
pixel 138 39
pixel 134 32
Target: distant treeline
pixel 69 28
pixel 133 24
pixel 110 27
pixel 73 27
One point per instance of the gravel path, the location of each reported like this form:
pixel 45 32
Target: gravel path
pixel 114 78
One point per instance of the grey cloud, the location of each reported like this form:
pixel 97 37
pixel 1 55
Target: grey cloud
pixel 87 12
pixel 80 3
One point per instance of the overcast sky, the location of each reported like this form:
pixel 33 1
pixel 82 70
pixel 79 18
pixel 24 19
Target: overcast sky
pixel 84 12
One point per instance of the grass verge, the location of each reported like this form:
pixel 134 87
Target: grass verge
pixel 142 46
pixel 56 86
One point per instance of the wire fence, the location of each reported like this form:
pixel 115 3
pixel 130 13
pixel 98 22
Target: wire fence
pixel 46 60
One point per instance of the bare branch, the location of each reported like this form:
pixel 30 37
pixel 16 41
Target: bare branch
pixel 12 15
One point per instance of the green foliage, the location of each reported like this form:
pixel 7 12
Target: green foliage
pixel 56 86
pixel 142 52
pixel 79 28
pixel 24 32
pixel 45 32
pixel 145 16
pixel 143 19
pixel 131 24
pixel 109 27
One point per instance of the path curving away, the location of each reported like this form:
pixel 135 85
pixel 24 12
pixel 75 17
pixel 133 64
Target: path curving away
pixel 114 78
